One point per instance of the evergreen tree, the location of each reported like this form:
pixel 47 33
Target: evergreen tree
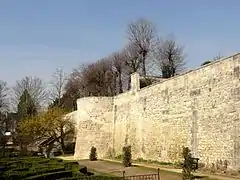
pixel 26 106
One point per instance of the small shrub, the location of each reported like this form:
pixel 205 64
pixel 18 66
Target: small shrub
pixel 68 166
pixel 127 156
pixel 53 175
pixel 206 62
pixel 213 168
pixel 93 154
pixel 187 164
pixel 59 160
pixel 225 164
pixel 145 82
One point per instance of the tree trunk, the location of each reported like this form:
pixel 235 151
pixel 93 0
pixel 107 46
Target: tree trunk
pixel 62 145
pixel 62 140
pixel 129 82
pixel 144 67
pixel 120 83
pixel 144 63
pixel 49 149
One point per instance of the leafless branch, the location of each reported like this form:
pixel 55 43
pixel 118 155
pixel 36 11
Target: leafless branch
pixel 119 63
pixel 170 57
pixel 58 84
pixel 219 56
pixel 34 86
pixel 132 59
pixel 4 104
pixel 142 34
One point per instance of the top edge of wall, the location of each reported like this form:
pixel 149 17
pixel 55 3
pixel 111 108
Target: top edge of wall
pixel 164 80
pixel 194 70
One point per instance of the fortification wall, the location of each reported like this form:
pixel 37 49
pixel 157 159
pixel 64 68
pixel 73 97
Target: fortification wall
pixel 94 126
pixel 199 109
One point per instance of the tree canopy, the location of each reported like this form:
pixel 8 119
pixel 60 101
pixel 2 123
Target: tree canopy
pixel 26 106
pixel 52 124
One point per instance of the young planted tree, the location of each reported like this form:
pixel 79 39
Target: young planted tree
pixel 187 164
pixel 93 154
pixel 127 156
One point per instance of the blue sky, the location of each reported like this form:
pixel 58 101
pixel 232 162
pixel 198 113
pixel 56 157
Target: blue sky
pixel 36 37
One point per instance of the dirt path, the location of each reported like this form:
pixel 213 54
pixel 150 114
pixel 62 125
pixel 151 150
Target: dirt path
pixel 178 171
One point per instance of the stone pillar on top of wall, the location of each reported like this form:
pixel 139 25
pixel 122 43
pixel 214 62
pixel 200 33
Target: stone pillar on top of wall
pixel 135 82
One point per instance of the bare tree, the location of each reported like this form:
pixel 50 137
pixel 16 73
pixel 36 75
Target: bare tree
pixel 75 87
pixel 96 79
pixel 58 85
pixel 142 34
pixel 219 56
pixel 132 62
pixel 3 97
pixel 3 106
pixel 34 86
pixel 100 79
pixel 119 63
pixel 170 57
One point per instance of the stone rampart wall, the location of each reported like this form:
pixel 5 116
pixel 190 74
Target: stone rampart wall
pixel 199 109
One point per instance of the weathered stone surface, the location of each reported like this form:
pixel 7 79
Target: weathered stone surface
pixel 199 109
pixel 94 126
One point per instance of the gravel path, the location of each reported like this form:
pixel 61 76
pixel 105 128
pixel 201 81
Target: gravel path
pixel 115 168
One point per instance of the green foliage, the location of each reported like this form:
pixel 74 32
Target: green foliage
pixel 42 168
pixel 26 106
pixel 52 175
pixel 21 168
pixel 187 164
pixel 65 102
pixel 127 156
pixel 93 154
pixel 46 125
